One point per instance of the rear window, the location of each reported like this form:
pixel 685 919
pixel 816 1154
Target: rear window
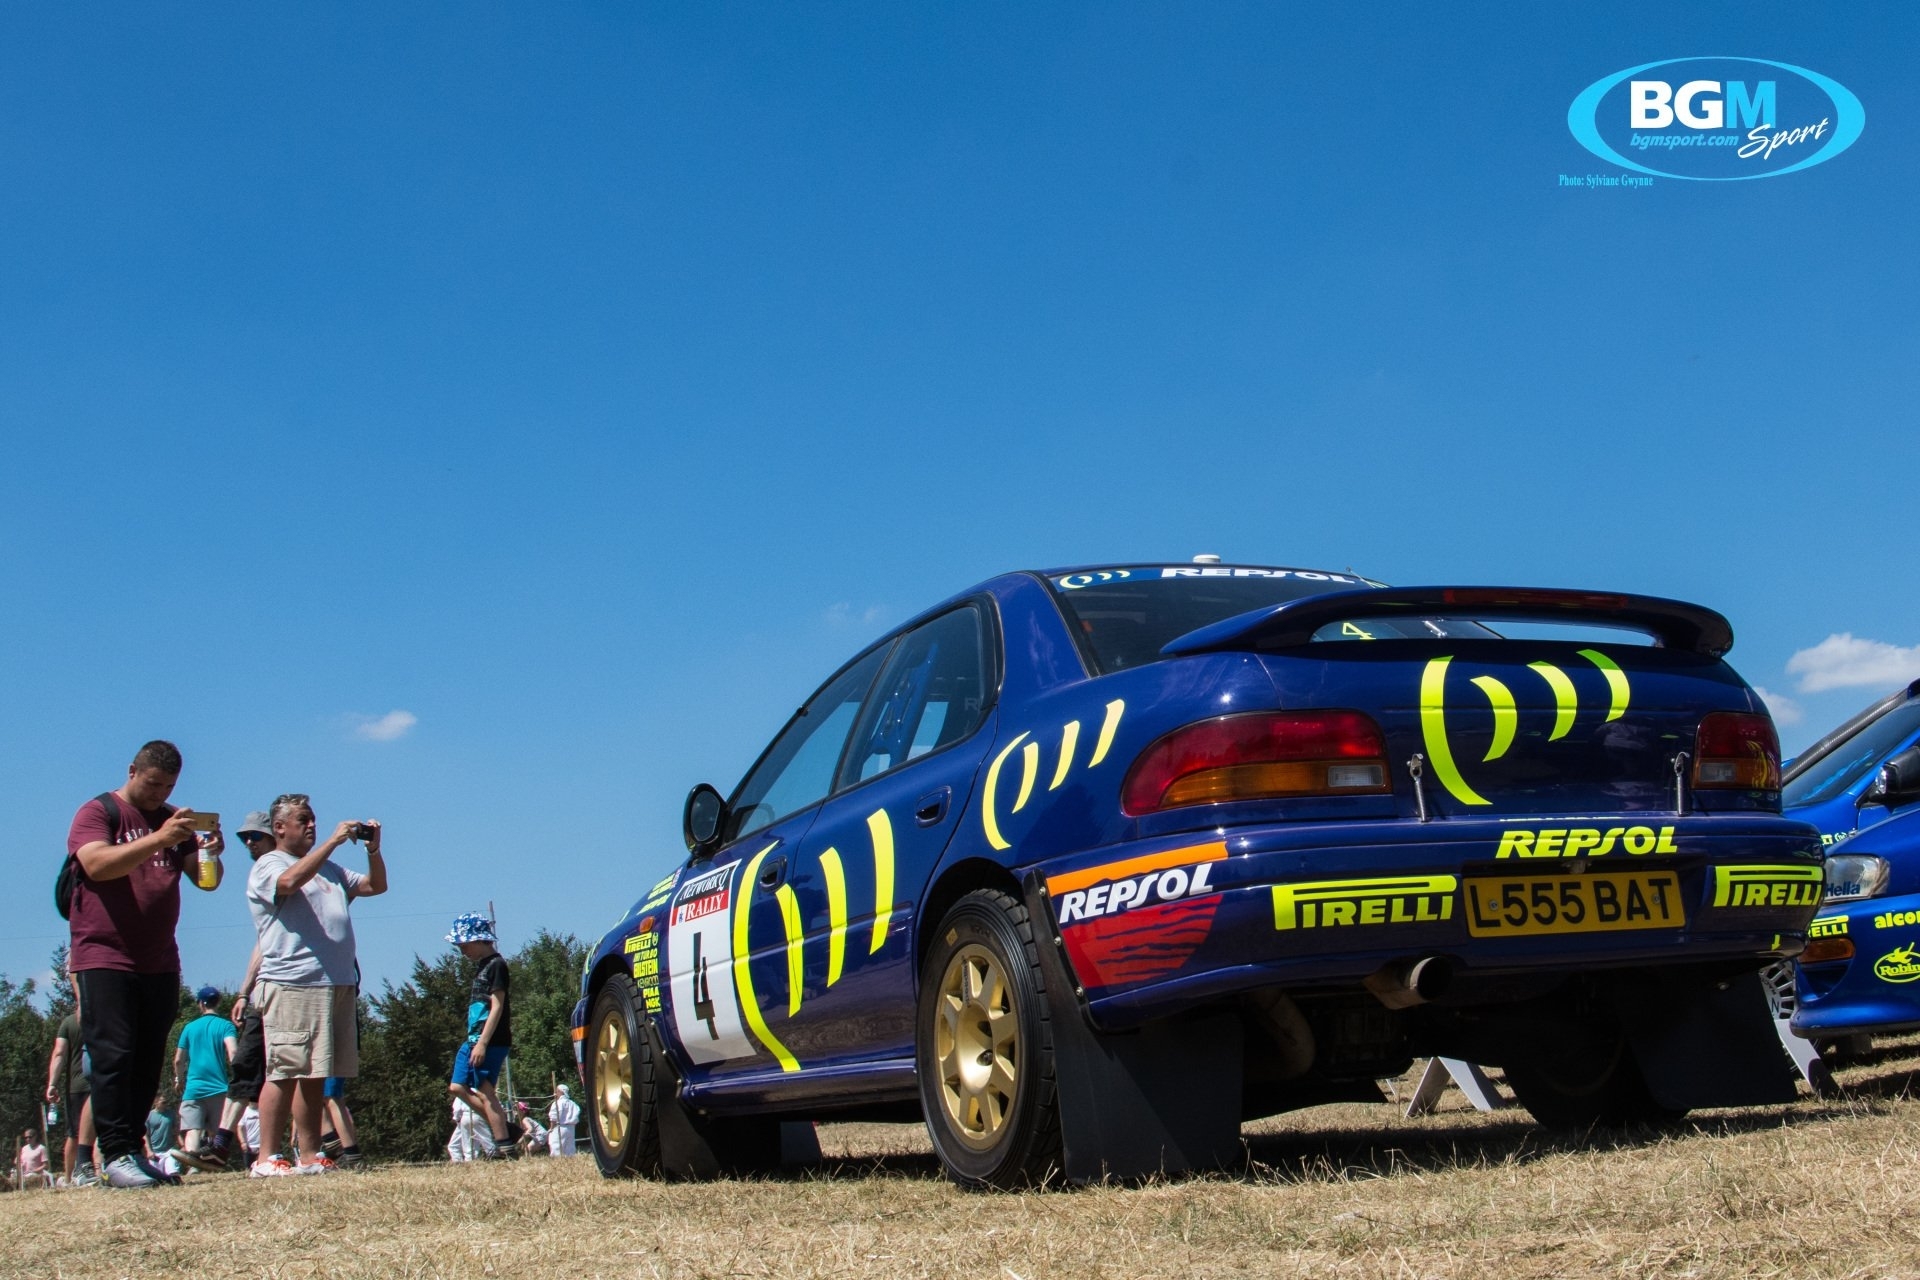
pixel 1124 617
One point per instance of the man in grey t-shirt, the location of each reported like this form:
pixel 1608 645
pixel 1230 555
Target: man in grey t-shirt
pixel 309 977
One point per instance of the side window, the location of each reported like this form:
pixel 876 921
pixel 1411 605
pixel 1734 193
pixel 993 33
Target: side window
pixel 932 693
pixel 797 769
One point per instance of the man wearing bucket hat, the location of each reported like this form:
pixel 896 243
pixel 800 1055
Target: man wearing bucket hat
pixel 477 1064
pixel 309 974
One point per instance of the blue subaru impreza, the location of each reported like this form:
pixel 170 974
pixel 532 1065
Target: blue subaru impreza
pixel 1860 785
pixel 1087 867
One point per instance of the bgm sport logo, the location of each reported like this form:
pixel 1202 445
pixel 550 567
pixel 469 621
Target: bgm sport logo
pixel 1716 119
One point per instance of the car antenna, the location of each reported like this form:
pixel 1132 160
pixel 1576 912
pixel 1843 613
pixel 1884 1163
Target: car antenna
pixel 1206 559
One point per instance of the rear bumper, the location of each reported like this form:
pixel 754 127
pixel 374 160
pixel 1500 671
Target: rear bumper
pixel 1154 927
pixel 1878 989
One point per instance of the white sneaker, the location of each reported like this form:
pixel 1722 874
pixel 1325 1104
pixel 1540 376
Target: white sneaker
pixel 129 1171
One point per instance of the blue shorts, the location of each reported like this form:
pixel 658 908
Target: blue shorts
pixel 488 1072
pixel 336 1087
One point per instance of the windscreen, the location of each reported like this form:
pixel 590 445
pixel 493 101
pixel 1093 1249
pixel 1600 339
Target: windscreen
pixel 1845 762
pixel 1126 616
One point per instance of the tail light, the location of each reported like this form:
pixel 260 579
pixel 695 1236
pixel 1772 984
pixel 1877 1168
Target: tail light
pixel 1259 756
pixel 1736 751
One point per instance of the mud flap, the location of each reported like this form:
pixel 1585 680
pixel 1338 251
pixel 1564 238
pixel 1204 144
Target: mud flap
pixel 1704 1042
pixel 1164 1099
pixel 696 1148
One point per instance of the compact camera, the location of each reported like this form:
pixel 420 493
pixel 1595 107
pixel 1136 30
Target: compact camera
pixel 360 831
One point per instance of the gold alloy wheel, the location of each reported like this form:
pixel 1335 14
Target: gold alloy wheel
pixel 976 1044
pixel 613 1077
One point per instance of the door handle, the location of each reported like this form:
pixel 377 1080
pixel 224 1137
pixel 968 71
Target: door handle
pixel 773 873
pixel 930 808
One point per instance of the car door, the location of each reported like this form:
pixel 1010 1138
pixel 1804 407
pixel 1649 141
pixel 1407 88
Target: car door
pixel 851 895
pixel 716 1006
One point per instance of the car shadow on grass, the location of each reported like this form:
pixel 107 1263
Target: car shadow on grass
pixel 1386 1151
pixel 1897 1085
pixel 1345 1154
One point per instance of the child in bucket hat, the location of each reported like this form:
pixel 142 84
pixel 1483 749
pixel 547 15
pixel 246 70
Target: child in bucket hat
pixel 478 1062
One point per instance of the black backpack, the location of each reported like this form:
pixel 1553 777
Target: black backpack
pixel 68 880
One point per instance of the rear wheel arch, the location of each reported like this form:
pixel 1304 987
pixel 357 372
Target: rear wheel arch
pixel 953 884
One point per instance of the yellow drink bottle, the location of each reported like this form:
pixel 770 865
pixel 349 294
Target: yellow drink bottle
pixel 209 873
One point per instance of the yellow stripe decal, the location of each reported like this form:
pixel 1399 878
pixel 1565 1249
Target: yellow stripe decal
pixel 743 974
pixel 1069 739
pixel 1029 770
pixel 796 957
pixel 836 913
pixel 1107 727
pixel 1616 682
pixel 882 830
pixel 987 820
pixel 1564 698
pixel 1505 718
pixel 1433 728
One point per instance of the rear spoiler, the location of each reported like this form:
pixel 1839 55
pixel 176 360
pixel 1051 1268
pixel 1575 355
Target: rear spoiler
pixel 1673 623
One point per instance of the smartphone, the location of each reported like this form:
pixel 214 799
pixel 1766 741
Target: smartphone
pixel 206 822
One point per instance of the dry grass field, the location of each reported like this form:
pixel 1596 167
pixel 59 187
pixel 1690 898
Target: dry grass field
pixel 1819 1188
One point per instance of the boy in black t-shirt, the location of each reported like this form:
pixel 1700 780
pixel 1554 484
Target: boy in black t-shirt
pixel 478 1062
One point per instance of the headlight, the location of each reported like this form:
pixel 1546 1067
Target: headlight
pixel 1855 875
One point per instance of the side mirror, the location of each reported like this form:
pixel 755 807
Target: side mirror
pixel 1898 782
pixel 700 820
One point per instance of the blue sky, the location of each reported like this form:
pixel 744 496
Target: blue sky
pixel 585 383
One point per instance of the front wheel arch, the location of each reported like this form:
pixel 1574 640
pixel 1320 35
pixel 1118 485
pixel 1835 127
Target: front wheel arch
pixel 621 1082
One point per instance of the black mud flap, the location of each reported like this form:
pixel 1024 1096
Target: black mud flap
pixel 1704 1042
pixel 1164 1099
pixel 696 1148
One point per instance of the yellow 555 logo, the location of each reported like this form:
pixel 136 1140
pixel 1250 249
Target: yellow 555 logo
pixel 1506 715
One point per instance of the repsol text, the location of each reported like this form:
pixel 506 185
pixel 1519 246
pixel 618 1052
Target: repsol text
pixel 1588 842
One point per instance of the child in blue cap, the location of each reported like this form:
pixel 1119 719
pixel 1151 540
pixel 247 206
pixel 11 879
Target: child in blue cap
pixel 478 1062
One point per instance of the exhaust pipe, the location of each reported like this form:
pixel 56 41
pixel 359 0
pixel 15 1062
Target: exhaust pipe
pixel 1406 983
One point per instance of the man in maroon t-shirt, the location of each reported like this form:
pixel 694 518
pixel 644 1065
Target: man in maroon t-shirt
pixel 126 902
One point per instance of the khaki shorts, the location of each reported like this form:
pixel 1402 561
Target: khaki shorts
pixel 311 1032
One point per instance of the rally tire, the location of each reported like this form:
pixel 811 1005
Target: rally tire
pixel 984 1048
pixel 622 1084
pixel 1602 1092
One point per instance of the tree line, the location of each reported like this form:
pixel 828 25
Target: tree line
pixel 408 1035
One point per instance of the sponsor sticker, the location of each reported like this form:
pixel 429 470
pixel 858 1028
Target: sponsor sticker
pixel 1828 927
pixel 1899 965
pixel 1331 904
pixel 1588 842
pixel 1137 919
pixel 706 1008
pixel 1767 886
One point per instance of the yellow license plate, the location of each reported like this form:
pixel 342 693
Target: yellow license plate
pixel 1509 906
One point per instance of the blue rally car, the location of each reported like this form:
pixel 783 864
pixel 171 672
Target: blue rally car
pixel 1860 785
pixel 1088 867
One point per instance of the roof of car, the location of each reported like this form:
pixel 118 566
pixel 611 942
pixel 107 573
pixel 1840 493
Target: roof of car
pixel 1197 569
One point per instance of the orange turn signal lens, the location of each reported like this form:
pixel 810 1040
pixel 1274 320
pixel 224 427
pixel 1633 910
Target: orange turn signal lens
pixel 1827 950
